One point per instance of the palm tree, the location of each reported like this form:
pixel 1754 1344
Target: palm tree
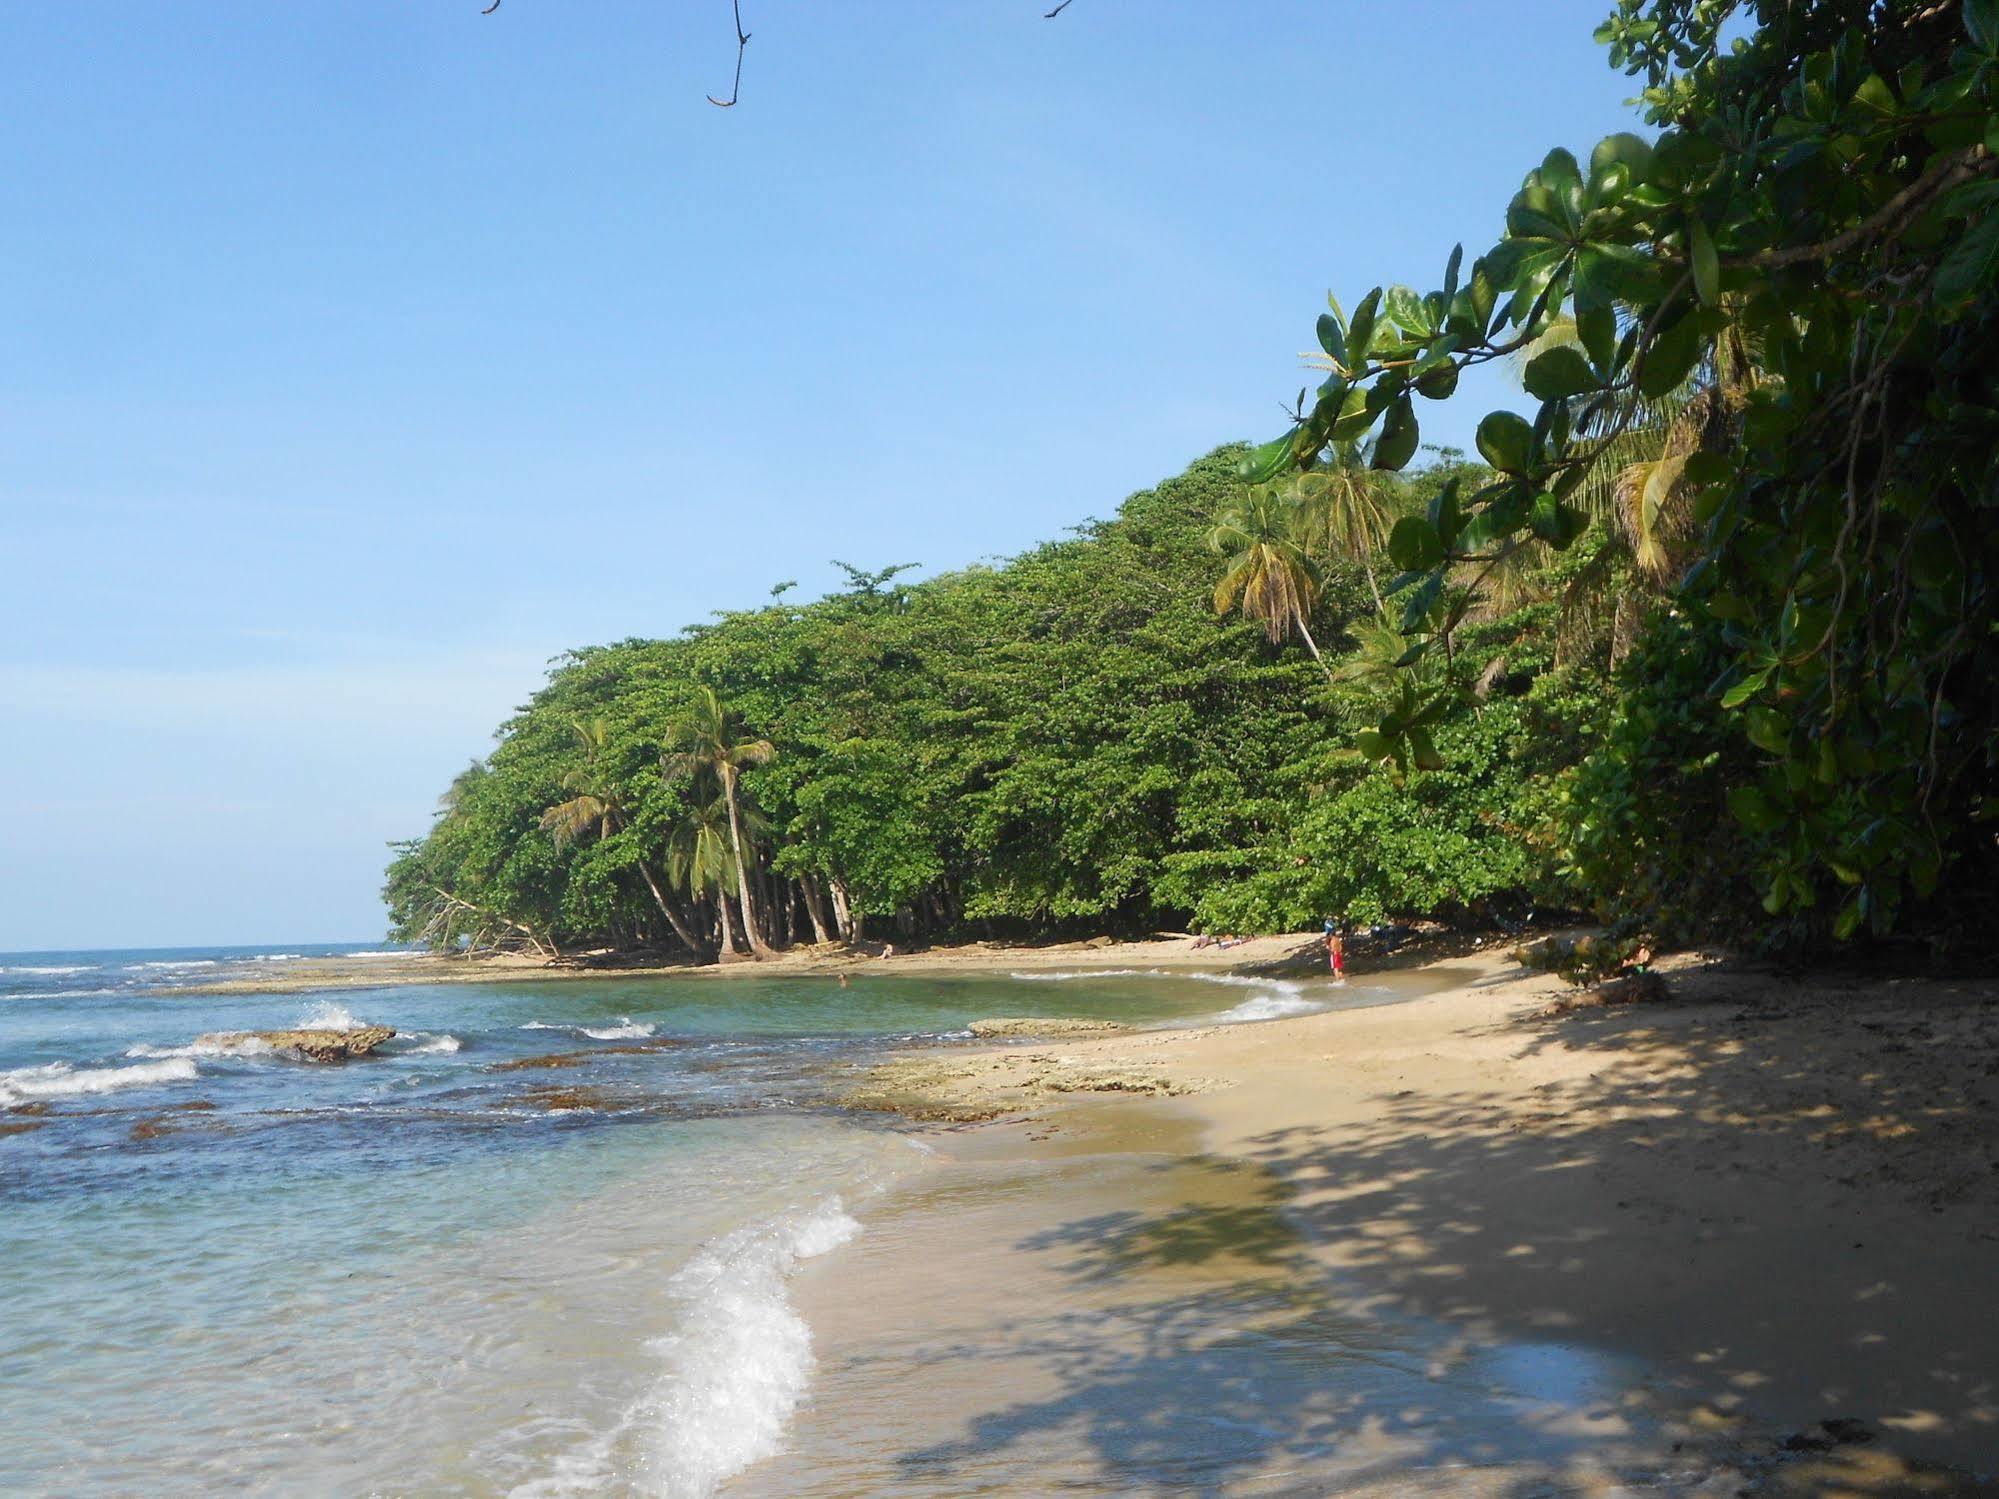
pixel 701 859
pixel 1346 507
pixel 705 739
pixel 1636 485
pixel 1268 572
pixel 596 808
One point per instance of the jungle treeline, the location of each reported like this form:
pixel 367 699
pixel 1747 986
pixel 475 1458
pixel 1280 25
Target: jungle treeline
pixel 1703 647
pixel 1074 741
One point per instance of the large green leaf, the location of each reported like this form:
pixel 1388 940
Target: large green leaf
pixel 1754 810
pixel 1670 358
pixel 1397 444
pixel 1267 460
pixel 1506 441
pixel 1332 337
pixel 1706 262
pixel 1558 373
pixel 1972 263
pixel 1414 545
pixel 1632 152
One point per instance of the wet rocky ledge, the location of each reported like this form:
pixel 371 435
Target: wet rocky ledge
pixel 313 1043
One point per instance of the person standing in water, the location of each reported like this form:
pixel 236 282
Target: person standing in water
pixel 1336 951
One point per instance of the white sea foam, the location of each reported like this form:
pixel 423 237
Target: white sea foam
pixel 732 1373
pixel 1273 998
pixel 221 1045
pixel 375 954
pixel 178 963
pixel 60 1080
pixel 627 1029
pixel 434 1044
pixel 277 957
pixel 1269 1007
pixel 1063 975
pixel 53 968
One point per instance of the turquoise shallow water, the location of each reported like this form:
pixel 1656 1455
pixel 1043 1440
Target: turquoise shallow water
pixel 435 1271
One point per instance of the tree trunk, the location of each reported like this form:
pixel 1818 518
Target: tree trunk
pixel 728 929
pixel 815 907
pixel 1313 646
pixel 757 944
pixel 680 929
pixel 843 911
pixel 1380 604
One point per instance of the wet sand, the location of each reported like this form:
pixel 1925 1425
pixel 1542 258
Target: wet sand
pixel 1478 1248
pixel 1293 952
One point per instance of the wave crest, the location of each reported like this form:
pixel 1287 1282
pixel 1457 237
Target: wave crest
pixel 60 1080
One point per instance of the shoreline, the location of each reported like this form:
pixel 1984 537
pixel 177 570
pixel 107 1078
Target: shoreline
pixel 1287 955
pixel 1780 1198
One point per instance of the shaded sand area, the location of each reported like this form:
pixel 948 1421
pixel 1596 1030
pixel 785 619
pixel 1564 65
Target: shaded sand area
pixel 1458 1245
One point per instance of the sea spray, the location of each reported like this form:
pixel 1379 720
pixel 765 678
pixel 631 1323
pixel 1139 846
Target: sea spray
pixel 329 1015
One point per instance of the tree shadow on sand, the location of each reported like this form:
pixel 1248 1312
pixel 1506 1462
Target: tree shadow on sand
pixel 1483 1254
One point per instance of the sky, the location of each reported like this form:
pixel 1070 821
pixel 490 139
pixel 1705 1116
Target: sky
pixel 356 359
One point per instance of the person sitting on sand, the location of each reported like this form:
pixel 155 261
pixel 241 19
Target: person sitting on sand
pixel 888 951
pixel 1205 940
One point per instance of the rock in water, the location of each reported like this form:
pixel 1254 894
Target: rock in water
pixel 314 1044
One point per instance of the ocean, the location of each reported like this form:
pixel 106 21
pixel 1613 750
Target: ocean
pixel 540 1245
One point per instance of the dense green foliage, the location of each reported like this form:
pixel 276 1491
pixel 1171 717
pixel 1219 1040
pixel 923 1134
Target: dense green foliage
pixel 1704 644
pixel 1804 261
pixel 1074 740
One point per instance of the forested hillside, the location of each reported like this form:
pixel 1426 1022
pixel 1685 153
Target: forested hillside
pixel 1072 741
pixel 1705 645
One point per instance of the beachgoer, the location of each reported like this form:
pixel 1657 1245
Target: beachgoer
pixel 843 982
pixel 1336 952
pixel 888 951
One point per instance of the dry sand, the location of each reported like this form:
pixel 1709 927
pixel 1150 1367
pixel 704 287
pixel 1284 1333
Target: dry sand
pixel 1783 1198
pixel 1175 952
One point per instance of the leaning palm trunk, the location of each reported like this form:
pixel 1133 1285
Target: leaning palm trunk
pixel 757 944
pixel 666 909
pixel 815 907
pixel 1313 646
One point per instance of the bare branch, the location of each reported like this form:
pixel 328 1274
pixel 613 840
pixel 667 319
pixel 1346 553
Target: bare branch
pixel 1049 17
pixel 742 41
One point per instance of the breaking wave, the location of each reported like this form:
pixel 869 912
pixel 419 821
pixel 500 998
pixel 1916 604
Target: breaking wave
pixel 627 1029
pixel 60 1080
pixel 731 1375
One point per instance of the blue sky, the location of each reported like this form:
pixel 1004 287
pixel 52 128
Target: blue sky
pixel 357 359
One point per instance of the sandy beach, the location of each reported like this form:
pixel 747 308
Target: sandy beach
pixel 1168 952
pixel 1777 1200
